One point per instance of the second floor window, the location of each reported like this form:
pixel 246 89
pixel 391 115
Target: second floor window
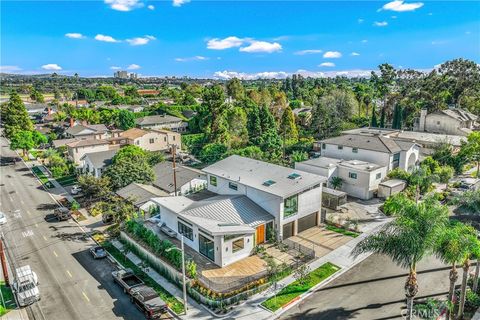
pixel 355 150
pixel 352 175
pixel 396 160
pixel 290 206
pixel 379 175
pixel 152 140
pixel 340 147
pixel 213 181
pixel 233 186
pixel 324 146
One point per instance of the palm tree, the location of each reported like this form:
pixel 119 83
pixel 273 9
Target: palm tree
pixel 471 244
pixel 407 239
pixel 336 182
pixel 452 249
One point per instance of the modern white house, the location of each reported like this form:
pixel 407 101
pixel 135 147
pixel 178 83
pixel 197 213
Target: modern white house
pixel 164 121
pixel 360 179
pixel 453 121
pixel 95 163
pixel 375 148
pixel 250 201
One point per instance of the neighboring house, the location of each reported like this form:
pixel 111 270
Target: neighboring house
pixel 35 109
pixel 95 163
pixel 87 131
pixel 152 140
pixel 164 121
pixel 132 108
pixel 78 148
pixel 452 121
pixel 360 179
pixel 189 180
pixel 303 115
pixel 222 228
pixel 139 193
pixel 375 148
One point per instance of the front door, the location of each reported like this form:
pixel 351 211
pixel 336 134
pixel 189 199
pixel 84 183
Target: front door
pixel 260 234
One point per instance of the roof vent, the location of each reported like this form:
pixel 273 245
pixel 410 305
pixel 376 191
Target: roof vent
pixel 269 183
pixel 294 176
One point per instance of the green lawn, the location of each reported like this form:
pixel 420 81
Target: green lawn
pixel 42 177
pixel 295 289
pixel 7 298
pixel 175 305
pixel 67 180
pixel 345 232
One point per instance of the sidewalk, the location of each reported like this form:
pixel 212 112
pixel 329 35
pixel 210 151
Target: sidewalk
pixel 251 308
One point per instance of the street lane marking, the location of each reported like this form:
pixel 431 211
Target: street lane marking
pixel 27 233
pixel 72 277
pixel 17 214
pixel 56 255
pixel 86 297
pixel 36 225
pixel 44 238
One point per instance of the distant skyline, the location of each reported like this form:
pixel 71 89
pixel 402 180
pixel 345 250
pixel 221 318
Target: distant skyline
pixel 223 39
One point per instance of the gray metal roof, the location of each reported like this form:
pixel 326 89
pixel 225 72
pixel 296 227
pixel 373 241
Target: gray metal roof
pixel 140 193
pixel 164 176
pixel 158 119
pixel 101 159
pixel 374 143
pixel 96 128
pixel 255 173
pixel 459 114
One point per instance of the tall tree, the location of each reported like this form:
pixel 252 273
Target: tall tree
pixel 472 245
pixel 373 121
pixel 235 89
pixel 408 239
pixel 127 170
pixel 126 119
pixel 23 140
pixel 254 126
pixel 15 116
pixel 288 128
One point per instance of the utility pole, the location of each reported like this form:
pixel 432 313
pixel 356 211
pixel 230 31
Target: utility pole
pixel 4 263
pixel 174 152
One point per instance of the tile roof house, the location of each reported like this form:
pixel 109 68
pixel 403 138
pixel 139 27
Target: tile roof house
pixel 454 121
pixel 189 180
pixel 152 140
pixel 164 121
pixel 374 148
pixel 78 148
pixel 95 163
pixel 252 200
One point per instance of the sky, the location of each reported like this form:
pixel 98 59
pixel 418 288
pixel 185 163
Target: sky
pixel 224 39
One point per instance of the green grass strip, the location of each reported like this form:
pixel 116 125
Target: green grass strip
pixel 7 299
pixel 67 180
pixel 175 305
pixel 342 231
pixel 297 288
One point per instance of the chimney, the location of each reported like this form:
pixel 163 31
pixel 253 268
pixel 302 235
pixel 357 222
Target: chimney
pixel 72 122
pixel 423 118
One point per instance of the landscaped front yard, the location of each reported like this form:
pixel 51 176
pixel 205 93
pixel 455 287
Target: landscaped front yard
pixel 42 177
pixel 67 180
pixel 297 288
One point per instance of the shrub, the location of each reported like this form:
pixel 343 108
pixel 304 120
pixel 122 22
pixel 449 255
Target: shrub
pixel 398 173
pixel 75 205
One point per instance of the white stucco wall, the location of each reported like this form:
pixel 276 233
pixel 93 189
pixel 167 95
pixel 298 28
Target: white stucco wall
pixel 437 123
pixel 77 153
pixel 332 151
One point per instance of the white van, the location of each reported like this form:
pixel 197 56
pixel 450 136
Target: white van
pixel 25 286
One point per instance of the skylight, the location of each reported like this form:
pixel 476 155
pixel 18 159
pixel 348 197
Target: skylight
pixel 293 176
pixel 268 183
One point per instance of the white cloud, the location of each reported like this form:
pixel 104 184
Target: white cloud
pixel 327 64
pixel 364 41
pixel 179 3
pixel 401 6
pixel 51 67
pixel 115 68
pixel 262 46
pixel 140 41
pixel 225 75
pixel 124 5
pixel 380 24
pixel 195 58
pixel 227 43
pixel 354 54
pixel 104 38
pixel 133 66
pixel 151 7
pixel 393 17
pixel 74 35
pixel 310 51
pixel 332 54
pixel 10 69
pixel 360 20
pixel 250 76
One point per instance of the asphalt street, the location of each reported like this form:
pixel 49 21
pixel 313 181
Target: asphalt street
pixel 371 290
pixel 72 284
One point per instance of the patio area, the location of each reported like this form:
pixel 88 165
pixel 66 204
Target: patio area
pixel 321 240
pixel 363 212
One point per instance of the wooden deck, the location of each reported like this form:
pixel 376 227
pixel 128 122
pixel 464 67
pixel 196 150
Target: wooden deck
pixel 321 240
pixel 244 268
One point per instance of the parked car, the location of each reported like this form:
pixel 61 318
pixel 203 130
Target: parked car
pixel 147 300
pixel 98 252
pixel 62 213
pixel 25 286
pixel 155 219
pixel 3 218
pixel 75 190
pixel 126 279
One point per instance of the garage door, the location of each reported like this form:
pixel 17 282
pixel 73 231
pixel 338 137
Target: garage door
pixel 307 222
pixel 288 230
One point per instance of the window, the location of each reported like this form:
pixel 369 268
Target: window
pixel 213 181
pixel 324 146
pixel 185 230
pixel 238 245
pixel 396 160
pixel 355 150
pixel 206 247
pixel 352 175
pixel 152 140
pixel 137 142
pixel 165 139
pixel 379 175
pixel 340 147
pixel 233 186
pixel 232 236
pixel 290 206
pixel 173 138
